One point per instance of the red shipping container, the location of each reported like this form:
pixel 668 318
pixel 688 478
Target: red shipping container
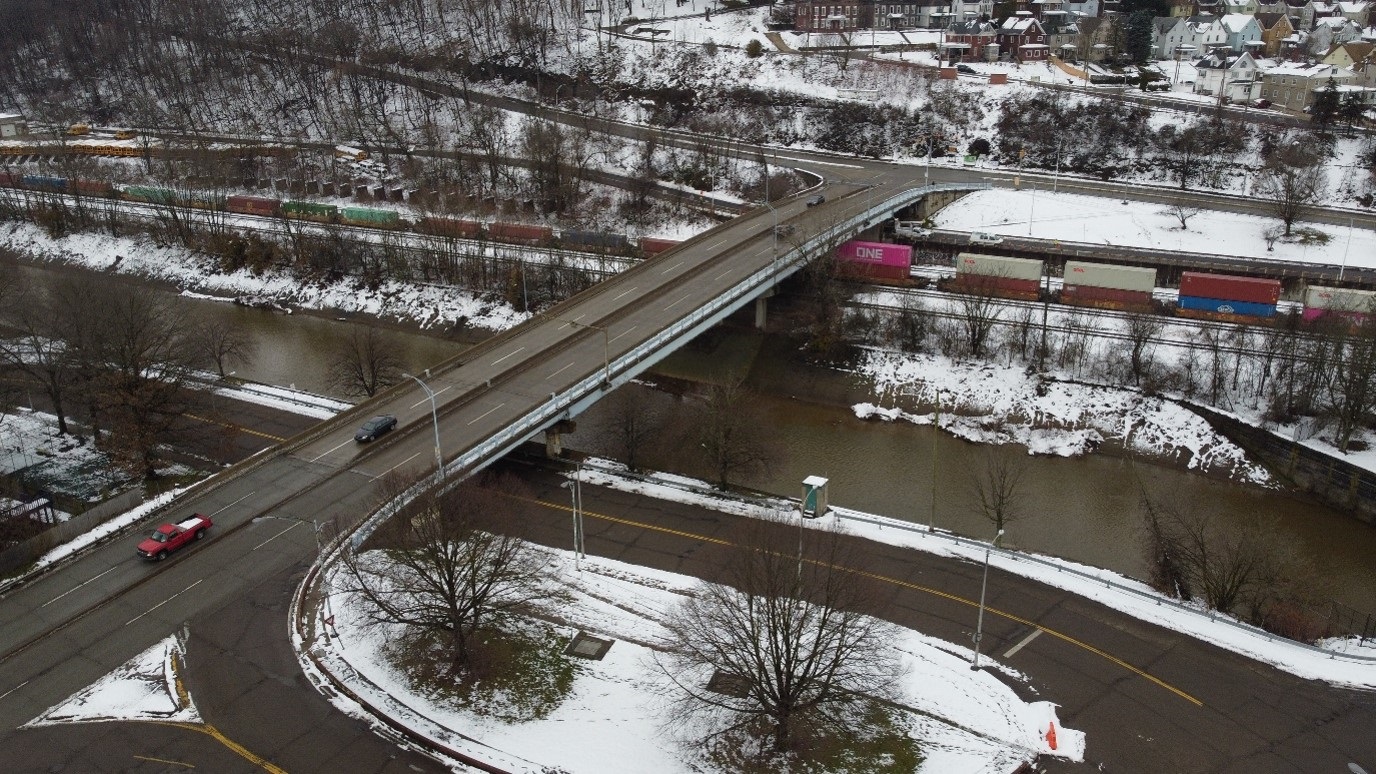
pixel 1105 298
pixel 1006 287
pixel 1230 288
pixel 6 180
pixel 95 187
pixel 520 232
pixel 653 246
pixel 252 205
pixel 450 227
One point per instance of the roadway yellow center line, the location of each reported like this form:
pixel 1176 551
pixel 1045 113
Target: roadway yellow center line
pixel 905 584
pixel 239 428
pixel 215 733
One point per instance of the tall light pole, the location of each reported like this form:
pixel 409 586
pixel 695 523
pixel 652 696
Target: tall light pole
pixel 983 586
pixel 435 418
pixel 575 488
pixel 936 432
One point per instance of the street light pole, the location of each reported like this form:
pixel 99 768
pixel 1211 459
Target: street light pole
pixel 435 418
pixel 936 431
pixel 983 586
pixel 606 347
pixel 575 488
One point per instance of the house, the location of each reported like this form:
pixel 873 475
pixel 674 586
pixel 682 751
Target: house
pixel 1359 57
pixel 1275 28
pixel 1328 32
pixel 13 125
pixel 1182 9
pixel 1291 86
pixel 1195 35
pixel 1161 28
pixel 841 16
pixel 1228 76
pixel 1312 11
pixel 851 15
pixel 1023 38
pixel 970 41
pixel 1359 13
pixel 1240 7
pixel 1242 32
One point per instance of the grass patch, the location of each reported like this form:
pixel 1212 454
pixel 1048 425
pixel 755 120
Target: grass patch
pixel 515 674
pixel 871 737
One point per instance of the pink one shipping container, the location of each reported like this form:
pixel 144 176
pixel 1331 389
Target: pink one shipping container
pixel 1230 288
pixel 1356 304
pixel 879 260
pixel 520 232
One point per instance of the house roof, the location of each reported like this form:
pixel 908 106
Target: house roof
pixel 1310 71
pixel 1334 23
pixel 1269 20
pixel 1020 25
pixel 971 28
pixel 1356 7
pixel 1236 22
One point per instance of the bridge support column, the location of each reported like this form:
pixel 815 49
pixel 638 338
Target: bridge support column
pixel 554 437
pixel 762 310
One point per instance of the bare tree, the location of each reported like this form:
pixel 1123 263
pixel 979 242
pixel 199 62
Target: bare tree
pixel 38 349
pixel 996 488
pixel 1142 331
pixel 978 310
pixel 1291 180
pixel 364 364
pixel 439 566
pixel 1183 211
pixel 787 640
pixel 218 341
pixel 731 433
pixel 634 423
pixel 1352 390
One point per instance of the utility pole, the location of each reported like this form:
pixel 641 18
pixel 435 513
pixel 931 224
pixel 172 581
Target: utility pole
pixel 984 585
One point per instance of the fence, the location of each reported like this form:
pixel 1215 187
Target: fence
pixel 23 554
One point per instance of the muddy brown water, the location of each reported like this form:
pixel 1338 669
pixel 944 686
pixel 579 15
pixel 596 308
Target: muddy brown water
pixel 1083 509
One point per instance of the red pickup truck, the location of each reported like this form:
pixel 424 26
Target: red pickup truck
pixel 170 537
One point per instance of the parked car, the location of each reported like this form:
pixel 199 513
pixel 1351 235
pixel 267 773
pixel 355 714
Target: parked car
pixel 967 69
pixel 985 238
pixel 376 428
pixel 813 201
pixel 169 537
pixel 1261 104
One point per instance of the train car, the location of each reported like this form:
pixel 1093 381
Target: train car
pixel 999 276
pixel 450 227
pixel 650 246
pixel 594 239
pixel 101 188
pixel 1356 305
pixel 520 232
pixel 351 153
pixel 149 194
pixel 45 183
pixel 321 213
pixel 367 216
pixel 874 260
pixel 8 180
pixel 1227 297
pixel 254 205
pixel 1107 286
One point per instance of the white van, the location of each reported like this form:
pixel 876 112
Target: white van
pixel 985 238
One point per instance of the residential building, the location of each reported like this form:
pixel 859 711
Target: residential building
pixel 970 41
pixel 1242 32
pixel 1275 28
pixel 1358 57
pixel 1359 12
pixel 1228 76
pixel 1195 35
pixel 1023 38
pixel 1291 86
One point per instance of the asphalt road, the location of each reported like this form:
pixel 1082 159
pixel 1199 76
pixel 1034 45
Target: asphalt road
pixel 1150 700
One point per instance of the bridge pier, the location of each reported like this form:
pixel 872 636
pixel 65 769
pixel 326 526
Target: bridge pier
pixel 762 309
pixel 554 437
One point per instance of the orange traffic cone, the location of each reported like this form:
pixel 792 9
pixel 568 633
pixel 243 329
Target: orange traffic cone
pixel 1051 735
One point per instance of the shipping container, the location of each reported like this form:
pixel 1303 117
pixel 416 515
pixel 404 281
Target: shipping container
pixel 462 229
pixel 144 193
pixel 1227 307
pixel 45 183
pixel 94 187
pixel 1338 300
pixel 654 246
pixel 1106 298
pixel 877 253
pixel 367 216
pixel 7 180
pixel 1230 288
pixel 520 232
pixel 253 205
pixel 1102 275
pixel 999 266
pixel 597 239
pixel 1004 287
pixel 310 211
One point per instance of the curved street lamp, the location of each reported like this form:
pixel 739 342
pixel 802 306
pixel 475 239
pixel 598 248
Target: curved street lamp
pixel 435 418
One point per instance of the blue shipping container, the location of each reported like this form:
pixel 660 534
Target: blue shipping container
pixel 1248 308
pixel 43 183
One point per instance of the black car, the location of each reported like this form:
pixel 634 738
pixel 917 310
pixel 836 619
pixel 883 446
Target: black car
pixel 964 68
pixel 813 201
pixel 375 427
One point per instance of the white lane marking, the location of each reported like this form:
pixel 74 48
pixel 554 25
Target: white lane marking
pixel 330 451
pixel 165 601
pixel 680 300
pixel 485 413
pixel 1020 645
pixel 507 355
pixel 218 511
pixel 624 292
pixel 671 268
pixel 623 333
pixel 561 370
pixel 394 467
pixel 427 398
pixel 723 274
pixel 12 690
pixel 274 537
pixel 77 586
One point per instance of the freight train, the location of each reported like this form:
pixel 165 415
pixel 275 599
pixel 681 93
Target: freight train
pixel 368 217
pixel 1224 297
